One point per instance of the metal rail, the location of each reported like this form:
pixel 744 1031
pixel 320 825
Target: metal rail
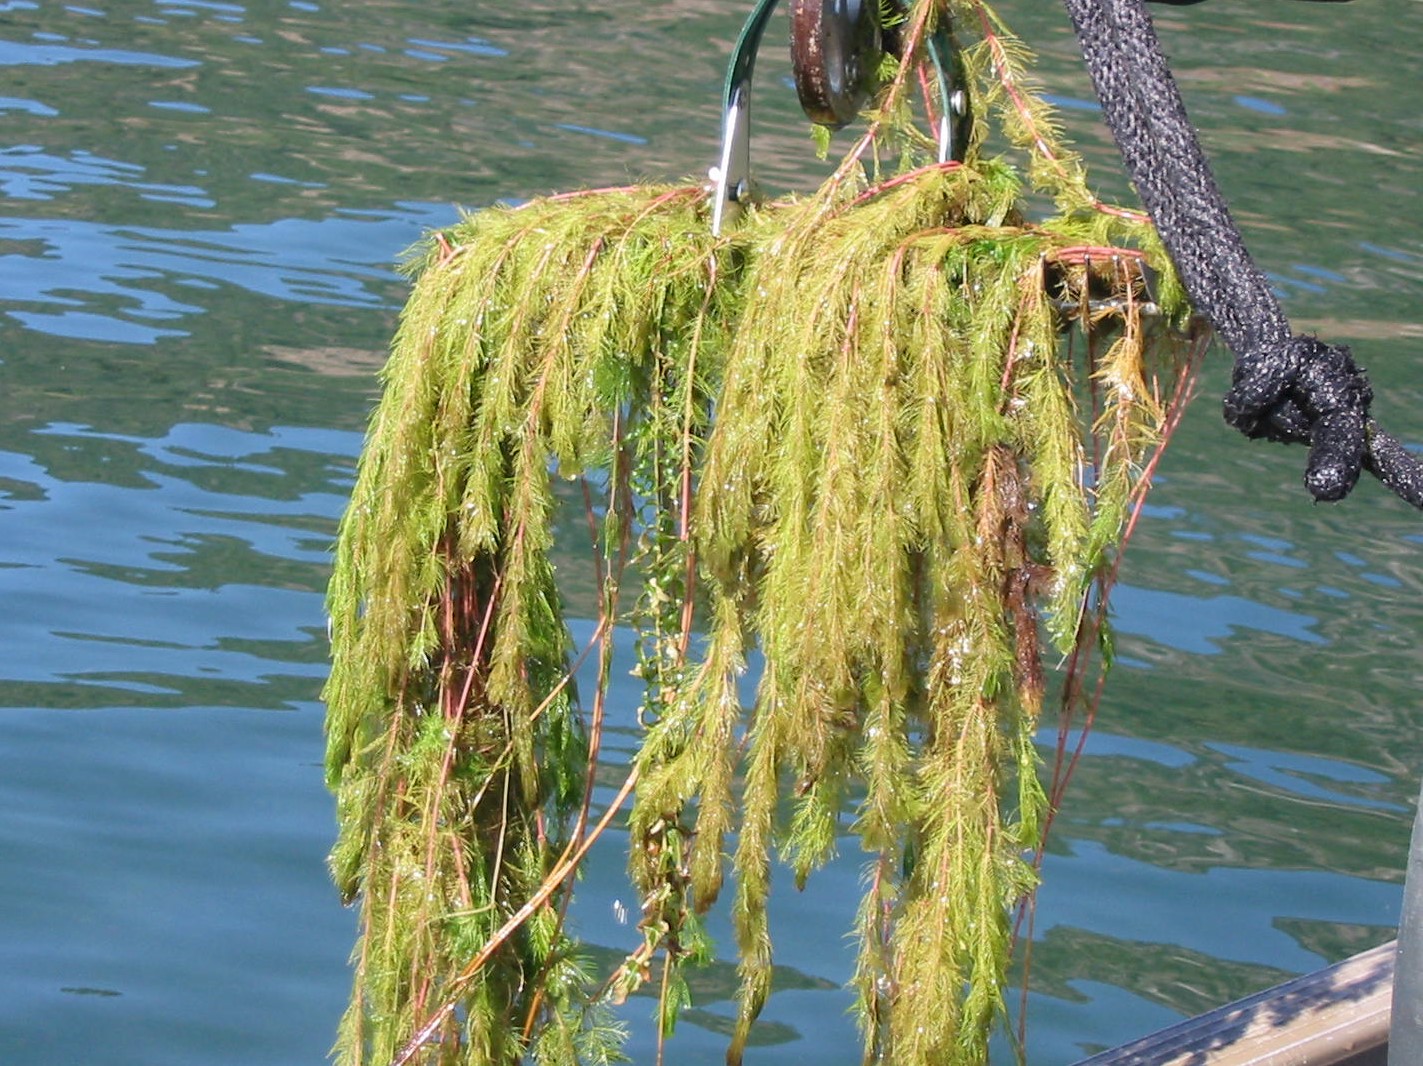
pixel 1338 1016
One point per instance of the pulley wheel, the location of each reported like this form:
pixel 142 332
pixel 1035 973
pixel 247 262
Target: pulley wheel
pixel 834 46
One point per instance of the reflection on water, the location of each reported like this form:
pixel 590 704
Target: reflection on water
pixel 204 206
pixel 90 281
pixel 206 577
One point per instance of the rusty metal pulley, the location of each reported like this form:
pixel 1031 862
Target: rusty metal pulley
pixel 835 45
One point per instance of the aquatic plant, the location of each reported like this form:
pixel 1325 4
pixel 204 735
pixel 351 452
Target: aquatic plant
pixel 852 436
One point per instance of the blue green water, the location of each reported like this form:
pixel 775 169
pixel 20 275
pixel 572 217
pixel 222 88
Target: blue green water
pixel 203 203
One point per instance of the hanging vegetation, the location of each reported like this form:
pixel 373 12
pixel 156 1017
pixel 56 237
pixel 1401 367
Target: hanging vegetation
pixel 852 435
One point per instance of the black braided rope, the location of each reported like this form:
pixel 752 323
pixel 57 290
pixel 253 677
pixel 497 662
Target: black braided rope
pixel 1285 387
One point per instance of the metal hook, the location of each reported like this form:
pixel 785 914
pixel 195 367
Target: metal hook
pixel 732 174
pixel 955 116
pixel 829 95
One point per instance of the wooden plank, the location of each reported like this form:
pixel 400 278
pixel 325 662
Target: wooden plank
pixel 1332 1017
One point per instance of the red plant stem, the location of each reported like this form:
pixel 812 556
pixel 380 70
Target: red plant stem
pixel 900 179
pixel 1040 144
pixel 1084 253
pixel 1185 390
pixel 607 613
pixel 684 517
pixel 926 93
pixel 454 711
pixel 1064 766
pixel 911 41
pixel 551 884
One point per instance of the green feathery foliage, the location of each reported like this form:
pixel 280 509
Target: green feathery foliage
pixel 453 743
pixel 851 433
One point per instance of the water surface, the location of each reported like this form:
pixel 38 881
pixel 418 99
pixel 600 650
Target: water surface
pixel 203 205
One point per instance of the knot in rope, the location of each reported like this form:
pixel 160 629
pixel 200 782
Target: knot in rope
pixel 1306 392
pixel 1286 387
